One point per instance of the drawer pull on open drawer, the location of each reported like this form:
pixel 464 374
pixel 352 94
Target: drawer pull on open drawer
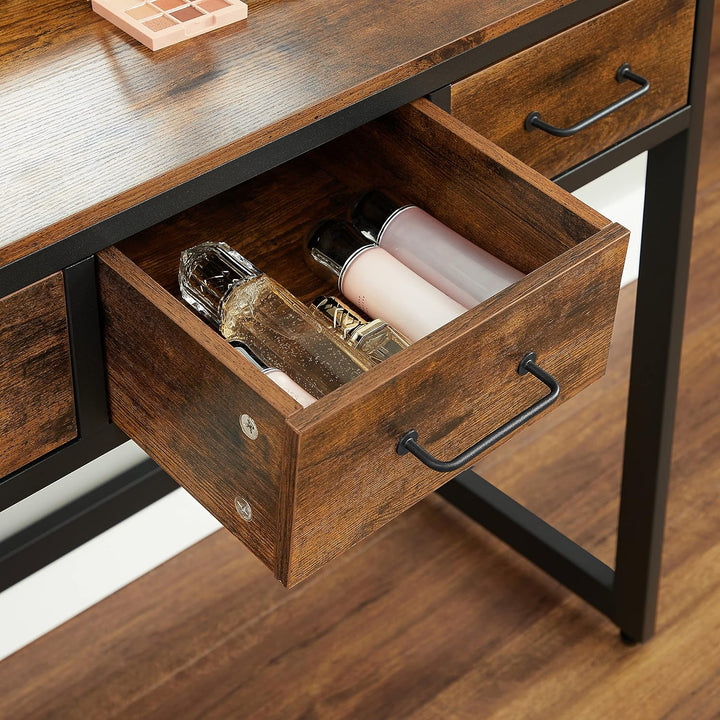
pixel 533 120
pixel 409 441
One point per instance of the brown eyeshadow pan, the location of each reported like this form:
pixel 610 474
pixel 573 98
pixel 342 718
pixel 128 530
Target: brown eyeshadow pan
pixel 159 23
pixel 213 5
pixel 186 13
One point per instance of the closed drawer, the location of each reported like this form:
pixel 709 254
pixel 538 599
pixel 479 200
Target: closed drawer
pixel 322 478
pixel 37 405
pixel 573 75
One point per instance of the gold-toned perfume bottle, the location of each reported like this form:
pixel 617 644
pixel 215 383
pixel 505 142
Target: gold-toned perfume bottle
pixel 247 306
pixel 374 338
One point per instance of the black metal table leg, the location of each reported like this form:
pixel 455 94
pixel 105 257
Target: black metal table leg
pixel 670 190
pixel 628 595
pixel 657 341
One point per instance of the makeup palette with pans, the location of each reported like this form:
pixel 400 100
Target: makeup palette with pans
pixel 159 23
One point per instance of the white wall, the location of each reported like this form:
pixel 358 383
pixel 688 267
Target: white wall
pixel 98 568
pixel 122 554
pixel 69 488
pixel 620 196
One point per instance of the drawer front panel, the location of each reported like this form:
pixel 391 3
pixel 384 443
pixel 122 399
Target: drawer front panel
pixel 573 75
pixel 326 476
pixel 469 388
pixel 37 404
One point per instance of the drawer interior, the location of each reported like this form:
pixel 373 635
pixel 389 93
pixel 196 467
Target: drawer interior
pixel 320 479
pixel 268 218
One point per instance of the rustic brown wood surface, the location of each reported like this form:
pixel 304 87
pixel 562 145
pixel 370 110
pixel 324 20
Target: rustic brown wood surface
pixel 100 123
pixel 350 480
pixel 346 479
pixel 572 75
pixel 37 404
pixel 179 390
pixel 432 617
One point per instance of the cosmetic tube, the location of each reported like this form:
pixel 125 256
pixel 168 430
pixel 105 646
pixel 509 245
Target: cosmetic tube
pixel 281 379
pixel 462 270
pixel 377 283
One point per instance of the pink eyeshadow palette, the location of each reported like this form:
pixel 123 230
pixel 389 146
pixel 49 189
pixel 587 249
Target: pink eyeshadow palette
pixel 159 23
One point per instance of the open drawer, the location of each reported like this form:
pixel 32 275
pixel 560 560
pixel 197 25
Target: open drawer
pixel 319 479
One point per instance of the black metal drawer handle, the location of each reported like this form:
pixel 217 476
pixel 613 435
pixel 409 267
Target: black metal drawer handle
pixel 533 120
pixel 409 441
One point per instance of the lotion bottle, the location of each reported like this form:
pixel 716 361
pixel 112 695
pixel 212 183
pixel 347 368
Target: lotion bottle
pixel 377 283
pixel 281 379
pixel 462 270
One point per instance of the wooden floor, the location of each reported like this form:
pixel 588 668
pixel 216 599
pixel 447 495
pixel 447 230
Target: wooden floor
pixel 433 617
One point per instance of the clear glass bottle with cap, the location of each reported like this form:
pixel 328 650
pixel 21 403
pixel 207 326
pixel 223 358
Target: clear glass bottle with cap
pixel 453 264
pixel 247 306
pixel 377 283
pixel 374 338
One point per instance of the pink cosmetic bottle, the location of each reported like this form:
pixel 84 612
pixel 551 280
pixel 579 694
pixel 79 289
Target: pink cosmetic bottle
pixel 463 271
pixel 377 283
pixel 281 379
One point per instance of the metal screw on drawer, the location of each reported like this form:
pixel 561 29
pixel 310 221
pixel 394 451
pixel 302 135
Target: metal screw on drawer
pixel 243 508
pixel 248 426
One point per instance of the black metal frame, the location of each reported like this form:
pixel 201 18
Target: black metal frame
pixel 80 521
pixel 627 595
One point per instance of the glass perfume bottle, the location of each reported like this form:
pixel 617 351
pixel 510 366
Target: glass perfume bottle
pixel 247 306
pixel 374 338
pixel 462 270
pixel 377 283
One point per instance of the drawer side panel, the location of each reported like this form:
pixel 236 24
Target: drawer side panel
pixel 182 402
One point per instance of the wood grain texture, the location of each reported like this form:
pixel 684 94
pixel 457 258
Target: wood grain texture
pixel 350 481
pixel 97 98
pixel 37 403
pixel 572 75
pixel 422 155
pixel 417 154
pixel 266 219
pixel 178 390
pixel 345 480
pixel 432 617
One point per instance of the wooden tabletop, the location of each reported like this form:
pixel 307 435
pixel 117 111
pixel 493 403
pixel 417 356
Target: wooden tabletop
pixel 94 123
